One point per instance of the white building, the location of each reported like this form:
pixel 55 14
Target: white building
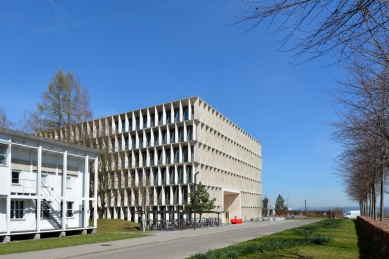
pixel 44 187
pixel 161 147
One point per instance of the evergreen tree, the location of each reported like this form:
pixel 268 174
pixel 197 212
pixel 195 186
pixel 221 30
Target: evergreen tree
pixel 280 205
pixel 203 201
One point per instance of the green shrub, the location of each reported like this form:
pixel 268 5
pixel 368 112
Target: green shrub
pixel 232 252
pixel 214 254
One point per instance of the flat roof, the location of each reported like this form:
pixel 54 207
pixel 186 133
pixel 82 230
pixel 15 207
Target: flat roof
pixel 48 140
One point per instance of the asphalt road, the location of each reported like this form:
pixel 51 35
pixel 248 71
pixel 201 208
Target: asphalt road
pixel 190 245
pixel 167 244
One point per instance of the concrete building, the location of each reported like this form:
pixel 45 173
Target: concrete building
pixel 45 187
pixel 157 150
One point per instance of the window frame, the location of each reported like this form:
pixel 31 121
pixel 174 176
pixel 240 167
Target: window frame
pixel 17 212
pixel 4 154
pixel 68 182
pixel 18 178
pixel 45 183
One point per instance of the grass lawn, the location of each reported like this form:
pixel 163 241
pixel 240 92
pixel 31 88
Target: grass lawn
pixel 322 239
pixel 107 230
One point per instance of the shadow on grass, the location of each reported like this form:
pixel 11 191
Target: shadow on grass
pixel 367 247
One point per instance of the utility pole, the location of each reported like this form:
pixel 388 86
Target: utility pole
pixel 194 205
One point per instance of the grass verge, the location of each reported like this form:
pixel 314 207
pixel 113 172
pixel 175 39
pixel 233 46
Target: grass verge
pixel 107 230
pixel 323 239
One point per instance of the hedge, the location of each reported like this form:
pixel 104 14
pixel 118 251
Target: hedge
pixel 379 232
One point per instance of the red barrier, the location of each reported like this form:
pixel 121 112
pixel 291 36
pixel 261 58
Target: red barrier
pixel 236 221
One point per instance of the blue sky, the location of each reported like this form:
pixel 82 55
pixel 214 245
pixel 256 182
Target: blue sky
pixel 134 54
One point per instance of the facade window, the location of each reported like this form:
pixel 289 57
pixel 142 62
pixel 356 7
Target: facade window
pixel 3 154
pixel 159 154
pixel 129 124
pixel 163 176
pixel 181 134
pixel 132 178
pixel 15 177
pixel 113 145
pixel 116 126
pixel 156 138
pixel 136 160
pixel 126 143
pixel 119 144
pixel 129 160
pixel 176 155
pixel 133 142
pixel 151 154
pixel 184 195
pixel 185 154
pixel 137 123
pixel 68 182
pixel 189 174
pixel 123 162
pixel 159 196
pixel 180 174
pixel 140 178
pixel 171 175
pixel 17 209
pixel 172 135
pixel 123 125
pixel 145 121
pixel 129 199
pixel 44 180
pixel 144 159
pixel 69 209
pixel 160 118
pixel 186 113
pixel 175 195
pixel 168 117
pixel 140 140
pixel 155 176
pixel 177 115
pixel 148 139
pixel 147 173
pixel 192 113
pixel 167 151
pixel 152 120
pixel 189 132
pixel 164 137
pixel 167 196
pixel 192 153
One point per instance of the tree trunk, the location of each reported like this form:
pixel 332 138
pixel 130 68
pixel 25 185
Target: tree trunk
pixel 382 195
pixel 373 201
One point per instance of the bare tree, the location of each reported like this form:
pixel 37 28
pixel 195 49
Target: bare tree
pixel 64 103
pixel 143 197
pixel 4 122
pixel 364 126
pixel 316 28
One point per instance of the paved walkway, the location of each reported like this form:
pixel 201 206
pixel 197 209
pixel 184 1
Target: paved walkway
pixel 158 237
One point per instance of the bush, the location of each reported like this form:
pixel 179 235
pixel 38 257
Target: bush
pixel 214 254
pixel 232 252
